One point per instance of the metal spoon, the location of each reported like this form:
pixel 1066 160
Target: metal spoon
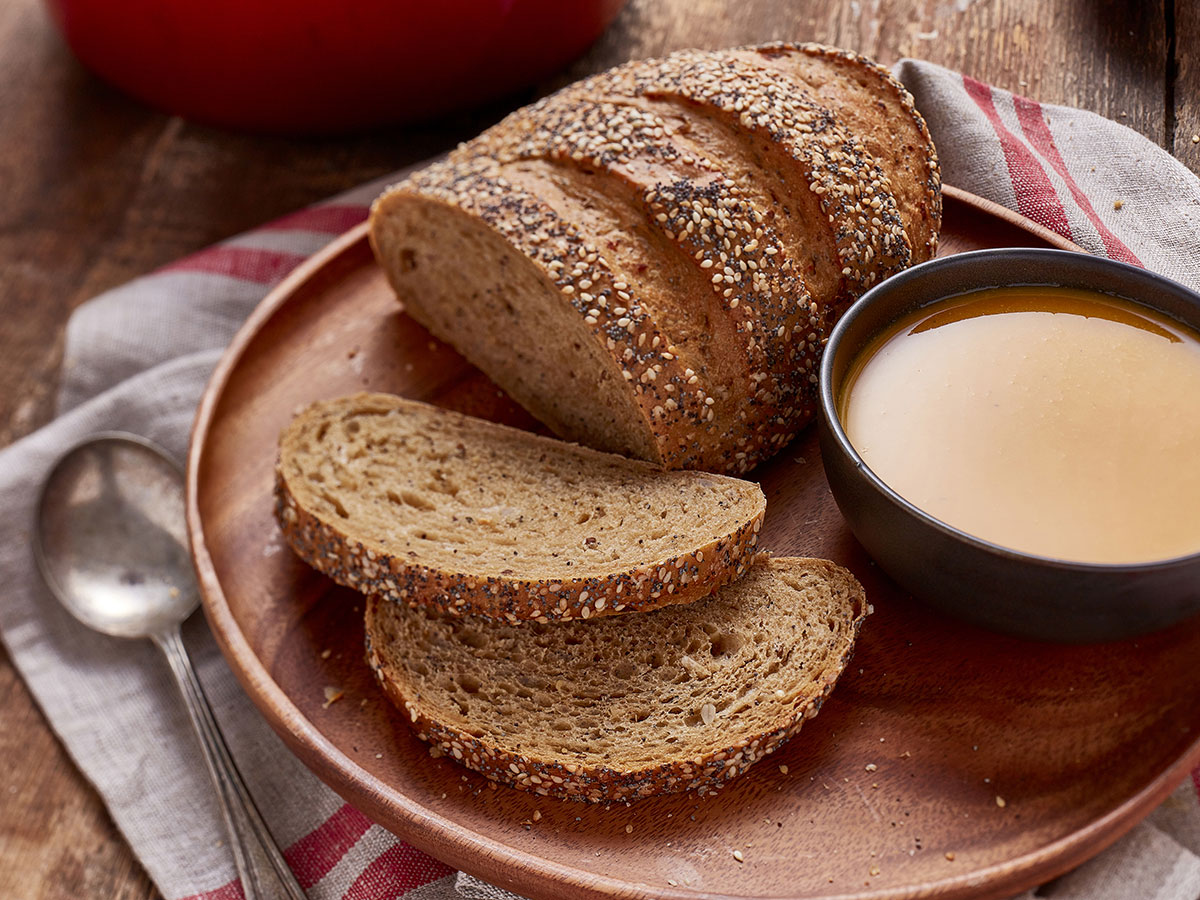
pixel 111 546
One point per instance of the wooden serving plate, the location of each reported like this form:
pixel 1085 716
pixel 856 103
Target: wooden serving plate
pixel 948 762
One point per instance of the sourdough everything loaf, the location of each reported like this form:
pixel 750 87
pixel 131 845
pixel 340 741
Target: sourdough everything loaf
pixel 650 260
pixel 423 505
pixel 606 711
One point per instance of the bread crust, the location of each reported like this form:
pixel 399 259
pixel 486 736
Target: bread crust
pixel 602 784
pixel 853 192
pixel 916 150
pixel 680 578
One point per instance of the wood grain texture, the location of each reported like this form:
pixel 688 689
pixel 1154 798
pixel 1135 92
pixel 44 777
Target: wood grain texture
pixel 1109 57
pixel 56 841
pixel 1185 91
pixel 932 722
pixel 98 189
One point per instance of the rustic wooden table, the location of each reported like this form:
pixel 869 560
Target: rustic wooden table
pixel 97 189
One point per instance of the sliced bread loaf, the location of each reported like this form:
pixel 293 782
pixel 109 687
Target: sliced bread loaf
pixel 650 261
pixel 603 711
pixel 423 505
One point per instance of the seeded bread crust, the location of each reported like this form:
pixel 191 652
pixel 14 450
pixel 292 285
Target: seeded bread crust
pixel 326 543
pixel 853 193
pixel 720 163
pixel 563 778
pixel 880 110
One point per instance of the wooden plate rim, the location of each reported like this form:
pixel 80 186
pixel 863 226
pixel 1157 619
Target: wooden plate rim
pixel 994 209
pixel 464 850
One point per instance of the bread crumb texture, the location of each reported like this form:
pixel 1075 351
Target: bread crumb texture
pixel 424 505
pixel 609 709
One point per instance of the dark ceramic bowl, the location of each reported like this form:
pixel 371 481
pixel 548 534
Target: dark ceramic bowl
pixel 986 584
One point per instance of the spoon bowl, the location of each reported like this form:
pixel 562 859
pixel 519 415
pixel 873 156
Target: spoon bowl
pixel 111 542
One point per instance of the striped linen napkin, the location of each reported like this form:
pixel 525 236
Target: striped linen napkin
pixel 137 359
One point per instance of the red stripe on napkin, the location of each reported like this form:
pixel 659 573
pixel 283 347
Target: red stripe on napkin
pixel 245 263
pixel 1033 123
pixel 1036 197
pixel 329 219
pixel 313 856
pixel 398 869
pixel 231 891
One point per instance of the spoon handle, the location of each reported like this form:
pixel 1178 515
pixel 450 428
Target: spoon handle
pixel 264 872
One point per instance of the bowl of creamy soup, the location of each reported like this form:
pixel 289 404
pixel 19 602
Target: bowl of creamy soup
pixel 1014 436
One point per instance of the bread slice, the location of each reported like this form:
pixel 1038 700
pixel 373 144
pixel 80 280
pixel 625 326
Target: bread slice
pixel 606 710
pixel 424 505
pixel 495 270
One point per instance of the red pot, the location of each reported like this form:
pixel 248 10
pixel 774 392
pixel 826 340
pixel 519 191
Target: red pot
pixel 316 66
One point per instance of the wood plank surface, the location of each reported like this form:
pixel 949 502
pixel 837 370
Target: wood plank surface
pixel 1185 91
pixel 97 189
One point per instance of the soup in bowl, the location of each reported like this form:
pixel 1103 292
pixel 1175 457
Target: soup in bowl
pixel 1014 436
